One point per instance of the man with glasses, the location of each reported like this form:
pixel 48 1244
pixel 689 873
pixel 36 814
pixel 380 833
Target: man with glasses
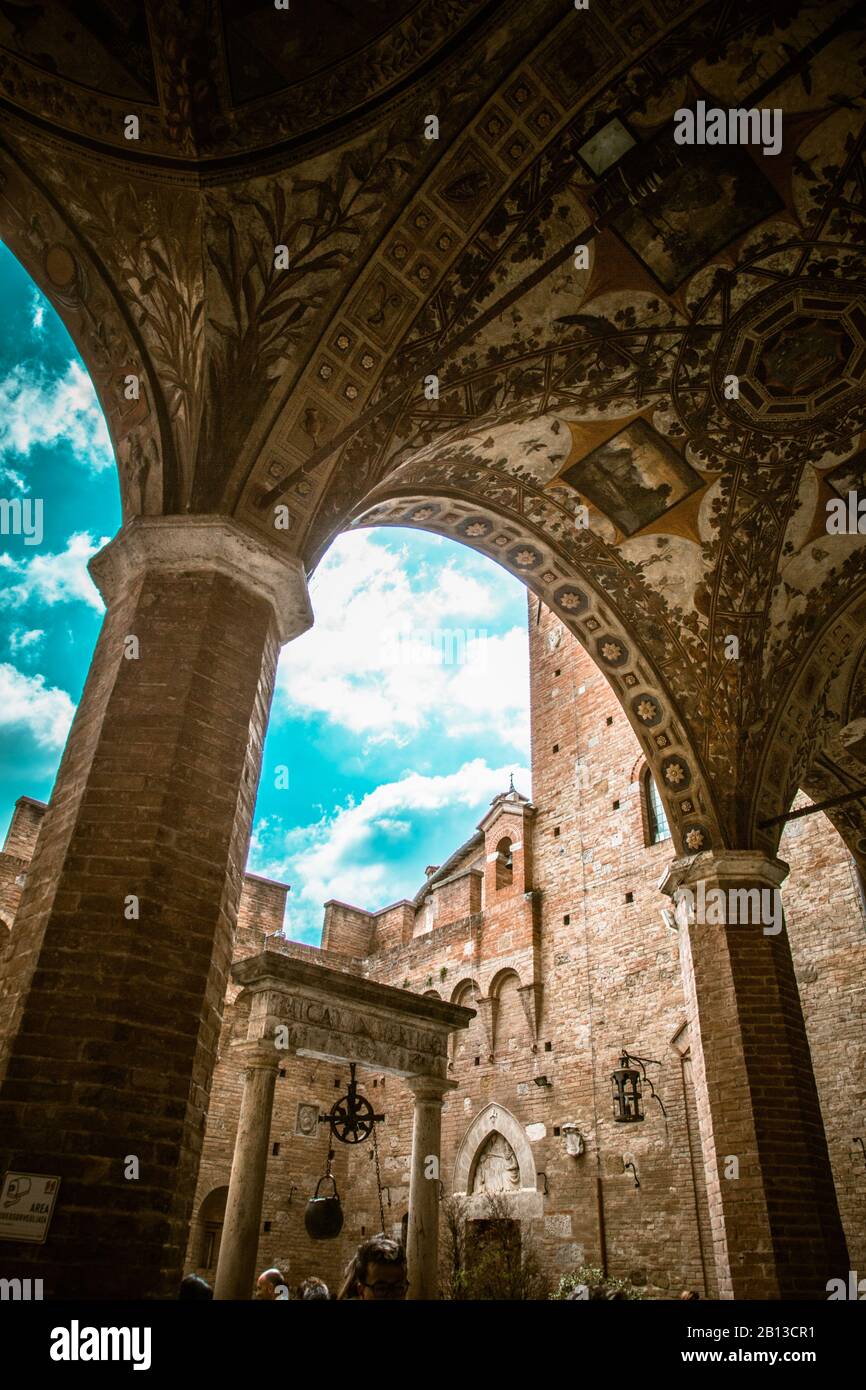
pixel 378 1270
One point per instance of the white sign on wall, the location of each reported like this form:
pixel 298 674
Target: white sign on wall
pixel 26 1206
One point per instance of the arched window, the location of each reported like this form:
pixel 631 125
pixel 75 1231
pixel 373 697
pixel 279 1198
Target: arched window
pixel 656 820
pixel 504 865
pixel 210 1228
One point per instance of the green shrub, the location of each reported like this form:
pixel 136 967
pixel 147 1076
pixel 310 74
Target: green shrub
pixel 600 1285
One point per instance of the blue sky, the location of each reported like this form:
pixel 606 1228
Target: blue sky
pixel 396 719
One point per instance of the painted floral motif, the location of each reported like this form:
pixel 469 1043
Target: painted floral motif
pixel 611 651
pixel 694 839
pixel 570 600
pixel 675 773
pixel 647 710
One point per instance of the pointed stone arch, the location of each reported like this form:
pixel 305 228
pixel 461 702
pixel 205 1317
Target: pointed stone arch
pixel 801 749
pixel 96 312
pixel 553 570
pixel 496 1119
pixel 207 1230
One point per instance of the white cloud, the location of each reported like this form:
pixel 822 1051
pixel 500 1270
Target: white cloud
pixel 57 578
pixel 37 410
pixel 363 665
pixel 10 475
pixel 344 855
pixel 38 305
pixel 21 641
pixel 27 705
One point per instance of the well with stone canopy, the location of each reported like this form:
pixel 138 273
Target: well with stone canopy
pixel 309 1010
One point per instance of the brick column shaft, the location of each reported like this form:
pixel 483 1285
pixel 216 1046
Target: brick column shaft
pixel 113 1021
pixel 776 1226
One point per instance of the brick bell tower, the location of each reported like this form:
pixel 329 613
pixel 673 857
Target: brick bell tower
pixel 512 924
pixel 559 673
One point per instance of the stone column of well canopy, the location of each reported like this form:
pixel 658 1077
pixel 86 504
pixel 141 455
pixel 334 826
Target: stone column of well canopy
pixel 240 1235
pixel 117 971
pixel 422 1254
pixel 775 1220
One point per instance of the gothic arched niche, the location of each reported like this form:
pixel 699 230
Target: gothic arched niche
pixel 509 1017
pixel 467 1042
pixel 496 1150
pixel 207 1230
pixel 495 1169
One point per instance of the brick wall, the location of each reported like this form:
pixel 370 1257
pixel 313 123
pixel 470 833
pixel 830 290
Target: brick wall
pixel 610 972
pixel 347 930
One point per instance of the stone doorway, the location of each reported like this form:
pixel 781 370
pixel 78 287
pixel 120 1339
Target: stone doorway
pixel 493 1255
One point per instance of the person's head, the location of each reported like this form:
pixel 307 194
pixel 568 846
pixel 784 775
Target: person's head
pixel 378 1270
pixel 312 1288
pixel 192 1286
pixel 271 1285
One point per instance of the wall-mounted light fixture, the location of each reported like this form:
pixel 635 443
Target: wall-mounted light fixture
pixel 628 1167
pixel 627 1093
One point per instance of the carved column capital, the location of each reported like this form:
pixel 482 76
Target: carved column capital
pixel 429 1090
pixel 214 544
pixel 723 866
pixel 257 1054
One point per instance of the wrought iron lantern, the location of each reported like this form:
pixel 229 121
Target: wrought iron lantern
pixel 628 1080
pixel 627 1093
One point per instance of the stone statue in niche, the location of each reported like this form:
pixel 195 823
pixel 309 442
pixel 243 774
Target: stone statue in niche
pixel 496 1169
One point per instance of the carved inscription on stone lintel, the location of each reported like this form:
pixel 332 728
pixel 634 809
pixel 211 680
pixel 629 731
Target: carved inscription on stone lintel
pixel 316 1025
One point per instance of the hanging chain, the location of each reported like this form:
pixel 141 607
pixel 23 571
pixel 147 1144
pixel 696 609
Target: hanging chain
pixel 378 1178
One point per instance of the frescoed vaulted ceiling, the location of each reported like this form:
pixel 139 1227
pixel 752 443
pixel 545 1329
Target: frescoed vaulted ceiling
pixel 586 432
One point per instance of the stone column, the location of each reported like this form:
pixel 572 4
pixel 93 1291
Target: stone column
pixel 240 1237
pixel 117 968
pixel 422 1254
pixel 775 1220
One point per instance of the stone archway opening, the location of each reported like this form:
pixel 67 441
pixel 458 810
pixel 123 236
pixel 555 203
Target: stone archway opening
pixel 556 580
pixel 208 1231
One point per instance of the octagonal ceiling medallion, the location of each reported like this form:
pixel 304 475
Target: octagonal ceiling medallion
pixel 799 353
